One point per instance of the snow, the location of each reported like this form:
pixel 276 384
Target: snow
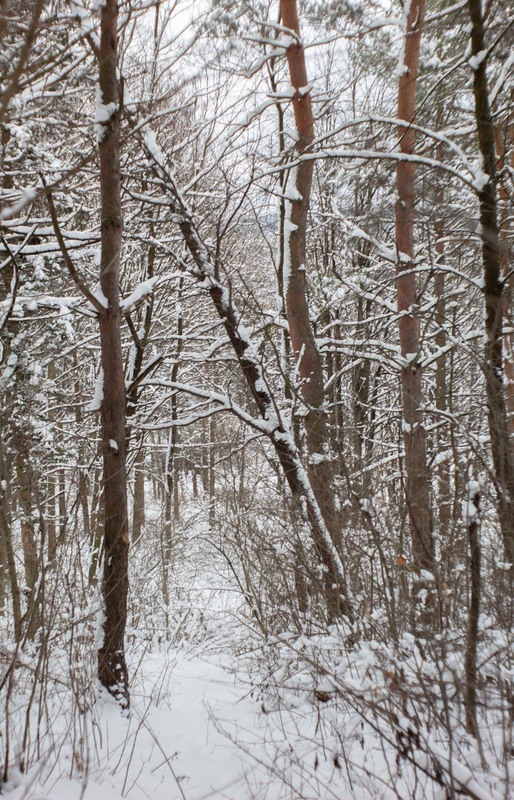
pixel 402 68
pixel 481 180
pixel 219 712
pixel 291 194
pixel 475 61
pixel 180 743
pixel 141 291
pixel 103 113
pixel 98 396
pixel 319 458
pixel 154 150
pixel 27 196
pixel 86 23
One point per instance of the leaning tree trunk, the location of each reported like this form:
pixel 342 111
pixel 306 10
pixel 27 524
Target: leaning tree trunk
pixel 501 443
pixel 417 490
pixel 112 669
pixel 274 424
pixel 306 354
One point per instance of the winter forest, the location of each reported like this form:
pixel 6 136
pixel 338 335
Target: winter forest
pixel 256 399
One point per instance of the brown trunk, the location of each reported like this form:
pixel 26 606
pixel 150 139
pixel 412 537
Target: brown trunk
pixel 96 525
pixel 501 136
pixel 501 445
pixel 443 472
pixel 417 488
pixel 212 473
pixel 306 354
pixel 138 511
pixel 449 538
pixel 470 665
pixel 112 669
pixel 25 499
pixel 84 501
pixel 7 543
pixel 138 372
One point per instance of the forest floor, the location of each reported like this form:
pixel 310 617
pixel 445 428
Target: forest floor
pixel 194 731
pixel 220 711
pixel 199 727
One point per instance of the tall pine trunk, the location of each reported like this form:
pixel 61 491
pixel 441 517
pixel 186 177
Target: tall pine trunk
pixel 417 489
pixel 306 354
pixel 112 669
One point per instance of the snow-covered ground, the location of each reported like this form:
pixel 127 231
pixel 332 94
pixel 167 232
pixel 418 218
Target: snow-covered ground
pixel 171 744
pixel 218 710
pixel 201 728
pixel 194 731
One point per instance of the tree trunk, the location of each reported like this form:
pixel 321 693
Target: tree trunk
pixel 470 666
pixel 168 501
pixel 451 540
pixel 50 510
pixel 443 470
pixel 275 424
pixel 25 498
pixel 505 197
pixel 7 547
pixel 112 669
pixel 212 472
pixel 417 489
pixel 138 511
pixel 501 444
pixel 96 523
pixel 306 354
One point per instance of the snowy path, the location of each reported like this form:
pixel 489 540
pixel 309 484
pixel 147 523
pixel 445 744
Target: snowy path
pixel 177 744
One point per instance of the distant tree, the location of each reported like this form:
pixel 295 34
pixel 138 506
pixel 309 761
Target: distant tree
pixel 494 284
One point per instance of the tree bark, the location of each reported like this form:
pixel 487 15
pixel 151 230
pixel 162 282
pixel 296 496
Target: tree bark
pixel 308 361
pixel 212 472
pixel 112 668
pixel 7 547
pixel 501 443
pixel 470 661
pixel 417 489
pixel 139 506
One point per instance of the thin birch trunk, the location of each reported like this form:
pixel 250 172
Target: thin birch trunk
pixel 51 488
pixel 212 472
pixel 505 199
